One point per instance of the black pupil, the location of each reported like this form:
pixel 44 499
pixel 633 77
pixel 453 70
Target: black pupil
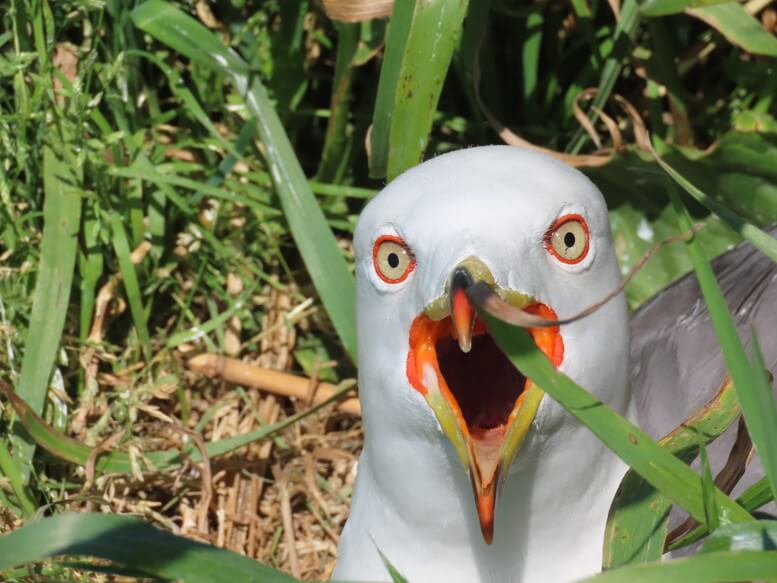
pixel 393 260
pixel 569 239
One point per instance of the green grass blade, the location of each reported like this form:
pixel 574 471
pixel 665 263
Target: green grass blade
pixel 143 169
pixel 626 440
pixel 756 496
pixel 419 49
pixel 396 44
pixel 61 212
pixel 665 72
pixel 708 490
pixel 396 576
pixel 197 332
pixel 130 541
pixel 760 240
pixel 336 140
pixel 316 242
pixel 667 7
pixel 91 267
pixel 753 391
pixel 530 54
pixel 739 27
pixel 766 409
pixel 473 60
pixel 176 85
pixel 625 33
pixel 637 524
pixel 131 285
pixel 712 568
pixel 10 471
pixel 750 536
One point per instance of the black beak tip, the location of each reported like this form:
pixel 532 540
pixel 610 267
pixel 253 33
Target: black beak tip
pixel 461 278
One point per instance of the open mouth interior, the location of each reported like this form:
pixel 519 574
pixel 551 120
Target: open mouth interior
pixel 482 387
pixel 483 404
pixel 483 381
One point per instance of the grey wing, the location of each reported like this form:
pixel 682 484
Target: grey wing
pixel 676 361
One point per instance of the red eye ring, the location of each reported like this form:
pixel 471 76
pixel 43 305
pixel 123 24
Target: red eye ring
pixel 560 222
pixel 406 259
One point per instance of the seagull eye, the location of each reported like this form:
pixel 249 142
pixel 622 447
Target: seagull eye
pixel 568 238
pixel 392 258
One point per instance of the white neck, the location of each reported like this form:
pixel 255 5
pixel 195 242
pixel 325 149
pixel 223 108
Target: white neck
pixel 550 514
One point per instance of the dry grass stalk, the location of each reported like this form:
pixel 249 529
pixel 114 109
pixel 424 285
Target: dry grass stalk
pixel 233 500
pixel 272 381
pixel 288 523
pixel 106 306
pixel 357 10
pixel 234 327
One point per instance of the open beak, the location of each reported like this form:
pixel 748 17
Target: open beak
pixel 485 406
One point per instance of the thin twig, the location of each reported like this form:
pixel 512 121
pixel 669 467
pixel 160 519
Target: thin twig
pixel 288 523
pixel 105 446
pixel 205 473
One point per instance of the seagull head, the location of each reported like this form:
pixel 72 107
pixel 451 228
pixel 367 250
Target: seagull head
pixel 536 232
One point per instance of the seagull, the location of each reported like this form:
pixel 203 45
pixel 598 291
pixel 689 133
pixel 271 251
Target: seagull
pixel 469 473
pixel 446 415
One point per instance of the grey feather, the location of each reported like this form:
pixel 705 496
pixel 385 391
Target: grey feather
pixel 677 365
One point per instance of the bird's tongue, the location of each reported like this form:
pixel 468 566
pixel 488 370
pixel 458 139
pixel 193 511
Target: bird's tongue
pixel 486 447
pixel 483 404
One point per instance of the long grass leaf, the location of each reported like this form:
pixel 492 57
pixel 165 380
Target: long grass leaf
pixel 750 536
pixel 747 230
pixel 61 213
pixel 91 268
pixel 755 497
pixel 187 98
pixel 335 150
pixel 316 242
pixel 131 285
pixel 767 411
pixel 419 49
pixel 144 170
pixel 626 440
pixel 130 541
pixel 10 470
pixel 638 520
pixel 753 392
pixel 396 576
pixel 712 568
pixel 396 43
pixel 667 7
pixel 738 26
pixel 708 489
